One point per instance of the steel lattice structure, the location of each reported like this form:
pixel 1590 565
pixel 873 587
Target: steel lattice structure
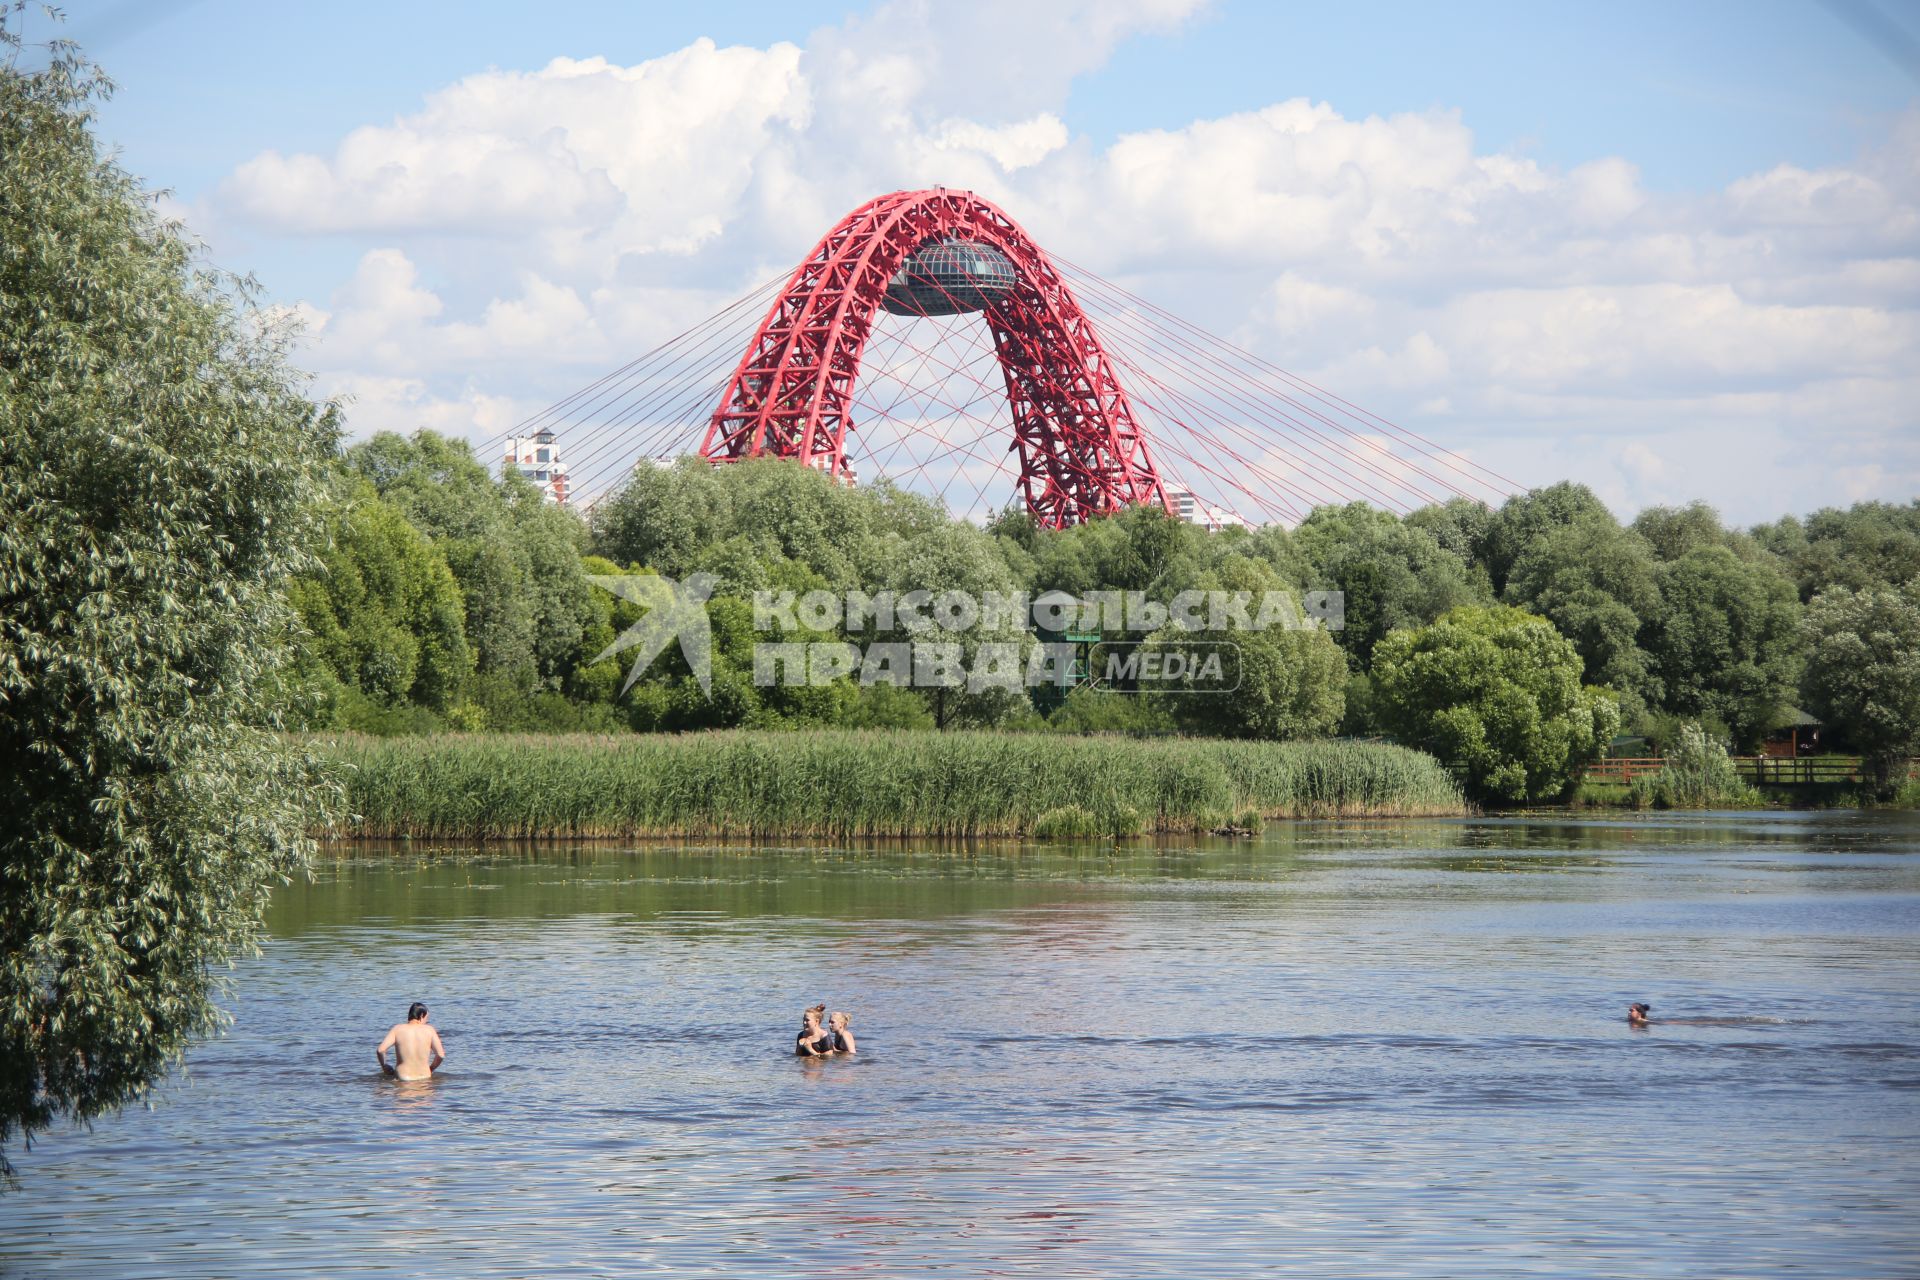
pixel 1081 449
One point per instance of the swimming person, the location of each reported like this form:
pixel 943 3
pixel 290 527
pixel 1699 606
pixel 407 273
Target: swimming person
pixel 418 1052
pixel 842 1038
pixel 1637 1017
pixel 812 1042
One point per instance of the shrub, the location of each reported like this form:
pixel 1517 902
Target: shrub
pixel 1699 774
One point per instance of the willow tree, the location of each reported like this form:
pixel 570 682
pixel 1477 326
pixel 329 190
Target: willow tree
pixel 157 459
pixel 1495 693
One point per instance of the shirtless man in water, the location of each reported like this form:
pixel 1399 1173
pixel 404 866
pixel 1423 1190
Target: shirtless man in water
pixel 416 1044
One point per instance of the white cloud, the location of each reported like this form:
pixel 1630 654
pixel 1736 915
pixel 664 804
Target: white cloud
pixel 384 403
pixel 1788 196
pixel 1014 146
pixel 997 59
pixel 527 230
pixel 1296 302
pixel 1664 336
pixel 653 153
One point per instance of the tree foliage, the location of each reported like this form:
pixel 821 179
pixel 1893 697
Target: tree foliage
pixel 382 614
pixel 1527 516
pixel 1680 617
pixel 1674 531
pixel 1868 545
pixel 1598 584
pixel 1393 573
pixel 1725 639
pixel 1277 684
pixel 1863 671
pixel 960 558
pixel 515 556
pixel 1497 693
pixel 157 475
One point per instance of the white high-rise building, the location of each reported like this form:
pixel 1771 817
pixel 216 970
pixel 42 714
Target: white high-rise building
pixel 537 458
pixel 1187 505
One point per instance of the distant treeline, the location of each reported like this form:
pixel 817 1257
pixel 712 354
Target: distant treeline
pixel 451 599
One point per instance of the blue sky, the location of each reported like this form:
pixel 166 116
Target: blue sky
pixel 1749 166
pixel 1696 94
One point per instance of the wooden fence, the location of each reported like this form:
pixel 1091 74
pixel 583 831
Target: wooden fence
pixel 1624 768
pixel 1797 771
pixel 1769 771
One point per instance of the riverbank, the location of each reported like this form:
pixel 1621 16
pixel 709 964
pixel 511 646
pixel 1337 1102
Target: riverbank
pixel 1608 794
pixel 861 783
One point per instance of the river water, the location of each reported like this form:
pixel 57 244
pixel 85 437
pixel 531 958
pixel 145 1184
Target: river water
pixel 1368 1050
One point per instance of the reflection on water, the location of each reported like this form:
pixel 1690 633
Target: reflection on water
pixel 1391 1049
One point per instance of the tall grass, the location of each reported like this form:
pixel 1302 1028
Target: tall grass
pixel 857 783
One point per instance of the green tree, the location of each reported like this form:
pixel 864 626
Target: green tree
pixel 381 612
pixel 1495 693
pixel 1281 682
pixel 1392 573
pixel 664 517
pixel 957 557
pixel 1140 549
pixel 885 706
pixel 1698 774
pixel 1088 710
pixel 515 555
pixel 599 681
pixel 157 463
pixel 1870 544
pixel 806 517
pixel 551 540
pixel 1462 527
pixel 1725 639
pixel 1598 583
pixel 450 496
pixel 1863 672
pixel 1526 516
pixel 1673 531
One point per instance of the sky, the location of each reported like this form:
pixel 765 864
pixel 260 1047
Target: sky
pixel 1670 251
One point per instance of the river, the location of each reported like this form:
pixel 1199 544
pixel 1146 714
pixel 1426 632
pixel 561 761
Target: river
pixel 1345 1049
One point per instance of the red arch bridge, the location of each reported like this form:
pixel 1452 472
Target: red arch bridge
pixel 928 340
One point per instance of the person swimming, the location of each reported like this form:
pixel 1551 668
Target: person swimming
pixel 1637 1017
pixel 812 1042
pixel 842 1038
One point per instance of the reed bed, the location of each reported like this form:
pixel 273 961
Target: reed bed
pixel 857 783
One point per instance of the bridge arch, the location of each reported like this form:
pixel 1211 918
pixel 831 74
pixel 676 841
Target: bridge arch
pixel 1081 450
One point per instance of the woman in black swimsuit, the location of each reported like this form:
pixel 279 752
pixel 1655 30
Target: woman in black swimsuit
pixel 812 1042
pixel 842 1038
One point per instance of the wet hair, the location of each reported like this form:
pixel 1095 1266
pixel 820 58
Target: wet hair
pixel 416 1011
pixel 1642 1009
